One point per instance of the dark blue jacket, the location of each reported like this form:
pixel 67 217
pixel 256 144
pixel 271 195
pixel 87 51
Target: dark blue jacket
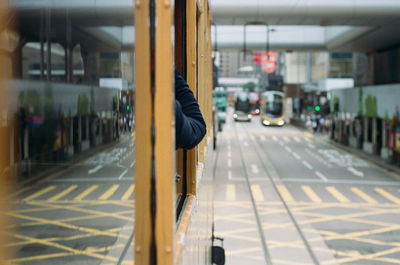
pixel 190 126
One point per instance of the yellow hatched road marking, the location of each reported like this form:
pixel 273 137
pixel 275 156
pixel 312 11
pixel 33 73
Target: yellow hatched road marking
pixel 252 137
pixel 39 193
pixel 109 192
pixel 286 139
pixel 274 138
pixel 257 193
pixel 285 193
pixel 363 195
pixel 311 194
pixel 230 192
pixel 297 139
pixel 307 139
pixel 86 193
pixel 240 137
pixel 337 194
pixel 128 193
pixel 263 138
pixel 387 195
pixel 63 193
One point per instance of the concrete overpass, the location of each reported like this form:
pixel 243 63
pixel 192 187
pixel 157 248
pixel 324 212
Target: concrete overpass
pixel 340 25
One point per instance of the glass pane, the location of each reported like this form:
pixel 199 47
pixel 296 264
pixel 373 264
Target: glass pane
pixel 72 96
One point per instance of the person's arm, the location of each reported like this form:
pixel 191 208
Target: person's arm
pixel 190 126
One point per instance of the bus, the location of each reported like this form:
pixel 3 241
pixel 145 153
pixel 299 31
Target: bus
pixel 242 107
pixel 220 101
pixel 272 108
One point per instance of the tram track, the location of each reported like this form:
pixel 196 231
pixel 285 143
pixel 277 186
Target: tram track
pixel 267 255
pixel 268 167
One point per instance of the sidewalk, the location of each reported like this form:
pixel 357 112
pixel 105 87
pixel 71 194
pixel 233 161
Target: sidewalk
pixel 58 166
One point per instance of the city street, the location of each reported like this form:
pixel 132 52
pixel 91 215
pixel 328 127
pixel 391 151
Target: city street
pixel 83 214
pixel 338 208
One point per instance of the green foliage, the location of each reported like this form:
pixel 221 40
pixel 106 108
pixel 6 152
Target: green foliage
pixel 387 118
pixel 48 102
pixel 83 105
pixel 116 103
pixel 92 100
pixel 31 98
pixel 370 106
pixel 360 102
pixel 250 86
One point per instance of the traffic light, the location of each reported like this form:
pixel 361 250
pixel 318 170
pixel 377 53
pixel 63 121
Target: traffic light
pixel 127 107
pixel 317 108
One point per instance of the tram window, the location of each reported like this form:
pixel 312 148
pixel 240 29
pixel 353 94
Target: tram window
pixel 71 144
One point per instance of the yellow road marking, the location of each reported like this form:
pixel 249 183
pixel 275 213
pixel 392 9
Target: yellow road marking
pixel 243 250
pixel 307 139
pixel 337 194
pixel 240 137
pixel 257 193
pixel 39 193
pixel 286 139
pixel 274 138
pixel 263 138
pixel 387 195
pixel 230 192
pixel 311 194
pixel 109 192
pixel 297 139
pixel 128 193
pixel 285 193
pixel 363 195
pixel 252 137
pixel 86 193
pixel 70 226
pixel 59 246
pixel 64 193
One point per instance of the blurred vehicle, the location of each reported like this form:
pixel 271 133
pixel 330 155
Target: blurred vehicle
pixel 220 101
pixel 231 100
pixel 272 108
pixel 242 107
pixel 254 103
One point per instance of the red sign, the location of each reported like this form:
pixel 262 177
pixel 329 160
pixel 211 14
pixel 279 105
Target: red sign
pixel 269 62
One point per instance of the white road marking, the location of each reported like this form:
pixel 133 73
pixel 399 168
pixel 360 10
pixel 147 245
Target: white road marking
pixel 229 153
pixel 94 170
pixel 123 174
pixel 311 146
pixel 230 175
pixel 229 162
pixel 287 148
pixel 245 144
pixel 280 143
pixel 296 155
pixel 106 179
pixel 321 176
pixel 254 169
pixel 341 181
pixel 356 172
pixel 307 165
pixel 133 163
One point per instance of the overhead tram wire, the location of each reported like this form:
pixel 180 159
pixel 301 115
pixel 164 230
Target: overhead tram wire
pixel 256 148
pixel 267 255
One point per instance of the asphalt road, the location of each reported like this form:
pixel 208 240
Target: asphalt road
pixel 82 215
pixel 338 208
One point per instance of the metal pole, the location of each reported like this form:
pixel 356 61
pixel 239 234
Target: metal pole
pixel 244 42
pixel 41 37
pixel 48 36
pixel 68 54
